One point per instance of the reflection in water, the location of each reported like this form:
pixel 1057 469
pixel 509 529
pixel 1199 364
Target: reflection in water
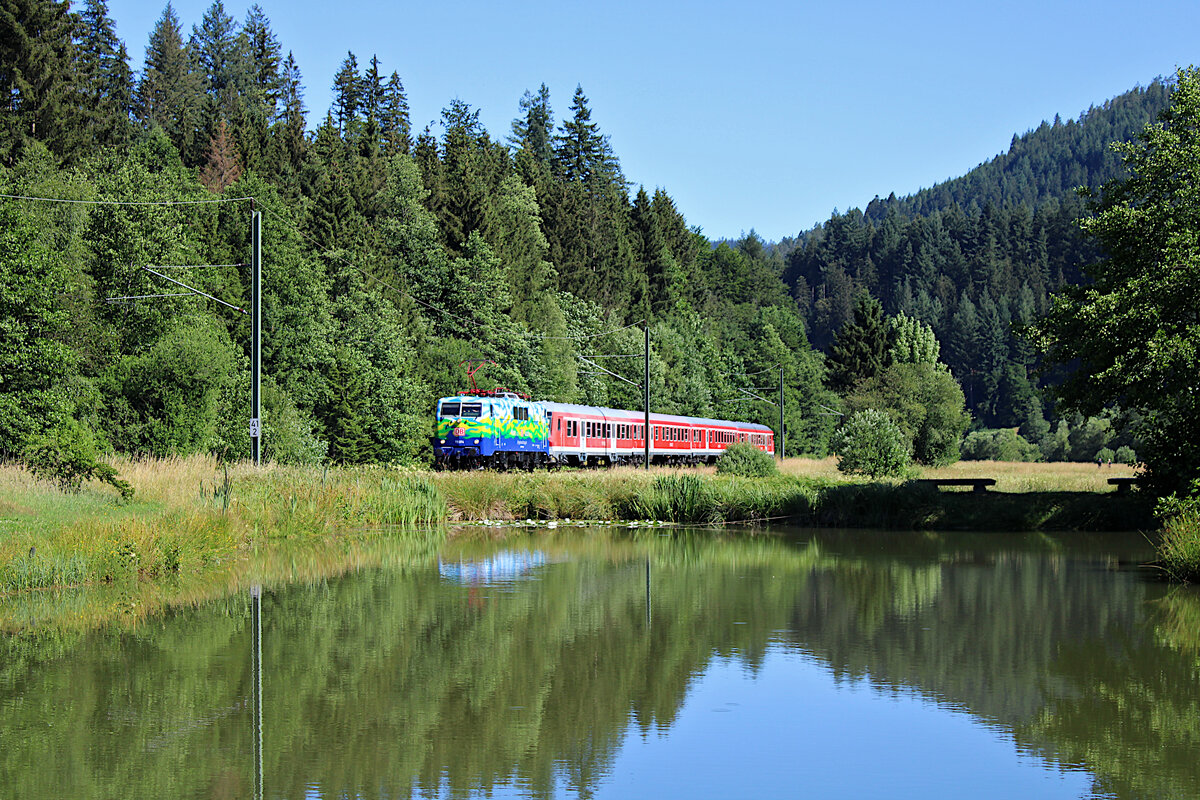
pixel 606 666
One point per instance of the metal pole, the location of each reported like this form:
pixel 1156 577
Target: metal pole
pixel 256 688
pixel 255 336
pixel 781 437
pixel 646 397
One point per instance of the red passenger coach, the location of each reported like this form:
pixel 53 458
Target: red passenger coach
pixel 593 435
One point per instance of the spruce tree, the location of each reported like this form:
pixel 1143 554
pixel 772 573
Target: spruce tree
pixel 169 94
pixel 105 80
pixel 37 78
pixel 533 131
pixel 394 129
pixel 347 97
pixel 862 348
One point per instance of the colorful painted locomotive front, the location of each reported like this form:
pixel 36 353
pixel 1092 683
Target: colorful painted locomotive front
pixel 472 428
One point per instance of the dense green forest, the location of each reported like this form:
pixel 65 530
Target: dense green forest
pixel 978 259
pixel 392 255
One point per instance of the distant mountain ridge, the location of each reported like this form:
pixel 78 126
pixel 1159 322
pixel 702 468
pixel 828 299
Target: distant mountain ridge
pixel 977 257
pixel 1045 164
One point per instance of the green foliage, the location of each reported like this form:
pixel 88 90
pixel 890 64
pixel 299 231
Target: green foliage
pixel 1131 331
pixel 914 341
pixel 863 348
pixel 1179 547
pixel 1004 444
pixel 1125 455
pixel 924 401
pixel 390 261
pixel 35 361
pixel 747 461
pixel 869 443
pixel 165 401
pixel 68 456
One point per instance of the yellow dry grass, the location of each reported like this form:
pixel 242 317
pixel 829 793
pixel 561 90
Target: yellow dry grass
pixel 1011 476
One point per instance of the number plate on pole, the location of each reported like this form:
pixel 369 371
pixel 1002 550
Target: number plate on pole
pixel 255 428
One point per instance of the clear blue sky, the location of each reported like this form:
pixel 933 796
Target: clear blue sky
pixel 762 114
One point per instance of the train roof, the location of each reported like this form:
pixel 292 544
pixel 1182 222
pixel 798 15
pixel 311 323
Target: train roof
pixel 618 413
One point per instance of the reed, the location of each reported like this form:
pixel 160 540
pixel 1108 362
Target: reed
pixel 1179 548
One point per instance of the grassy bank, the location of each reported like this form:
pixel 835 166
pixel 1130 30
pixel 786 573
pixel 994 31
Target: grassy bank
pixel 194 517
pixel 190 517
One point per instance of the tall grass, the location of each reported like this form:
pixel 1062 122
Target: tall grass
pixel 196 516
pixel 1179 548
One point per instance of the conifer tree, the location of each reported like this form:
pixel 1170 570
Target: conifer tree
pixel 863 348
pixel 533 131
pixel 264 56
pixel 289 123
pixel 395 130
pixel 347 97
pixel 580 152
pixel 223 167
pixel 169 94
pixel 37 96
pixel 105 80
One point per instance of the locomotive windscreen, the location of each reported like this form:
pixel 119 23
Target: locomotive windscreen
pixel 462 410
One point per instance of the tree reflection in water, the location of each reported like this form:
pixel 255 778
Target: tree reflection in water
pixel 410 681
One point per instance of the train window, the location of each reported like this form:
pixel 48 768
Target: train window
pixel 450 409
pixel 656 432
pixel 472 410
pixel 520 413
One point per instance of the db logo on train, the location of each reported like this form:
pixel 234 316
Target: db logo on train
pixel 460 432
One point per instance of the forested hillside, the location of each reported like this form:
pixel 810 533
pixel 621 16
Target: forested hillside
pixel 391 255
pixel 976 257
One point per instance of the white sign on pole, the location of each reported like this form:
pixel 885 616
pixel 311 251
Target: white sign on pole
pixel 255 428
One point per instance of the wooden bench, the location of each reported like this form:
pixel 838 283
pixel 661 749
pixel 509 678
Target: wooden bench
pixel 976 484
pixel 1123 484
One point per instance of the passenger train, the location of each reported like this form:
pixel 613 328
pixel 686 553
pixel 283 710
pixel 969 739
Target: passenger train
pixel 503 429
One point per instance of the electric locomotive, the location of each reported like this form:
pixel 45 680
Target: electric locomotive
pixel 496 428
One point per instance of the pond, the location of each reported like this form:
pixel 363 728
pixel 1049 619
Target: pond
pixel 656 664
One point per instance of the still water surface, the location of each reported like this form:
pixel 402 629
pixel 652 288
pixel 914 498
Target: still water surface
pixel 797 663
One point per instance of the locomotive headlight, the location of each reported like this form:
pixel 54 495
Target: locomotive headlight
pixel 476 441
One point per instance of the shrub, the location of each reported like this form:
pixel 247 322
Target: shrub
pixel 871 444
pixel 67 456
pixel 1105 455
pixel 1125 455
pixel 999 445
pixel 747 461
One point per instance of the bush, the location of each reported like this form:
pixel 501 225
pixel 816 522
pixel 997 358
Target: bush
pixel 1125 455
pixel 1105 455
pixel 747 461
pixel 67 456
pixel 999 445
pixel 871 444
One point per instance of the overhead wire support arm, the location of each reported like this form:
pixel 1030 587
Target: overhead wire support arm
pixel 591 363
pixel 146 296
pixel 194 290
